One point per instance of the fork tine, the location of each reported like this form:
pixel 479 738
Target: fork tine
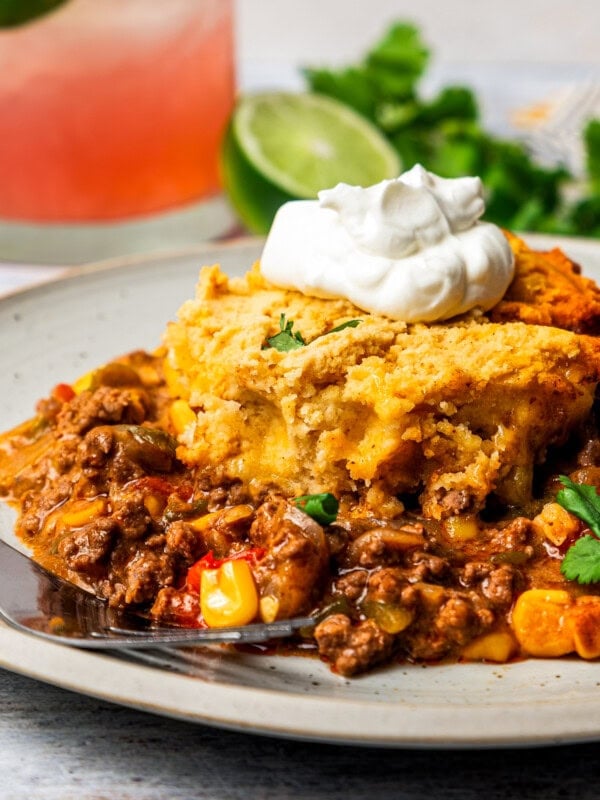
pixel 162 658
pixel 257 632
pixel 199 661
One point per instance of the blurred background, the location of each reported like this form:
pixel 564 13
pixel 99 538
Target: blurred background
pixel 527 31
pixel 514 51
pixel 118 132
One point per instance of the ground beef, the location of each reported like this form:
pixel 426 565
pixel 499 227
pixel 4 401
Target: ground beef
pixel 145 573
pixel 36 506
pixel 498 584
pixel 183 542
pixel 455 501
pixel 130 513
pixel 351 585
pixel 352 648
pixel 227 493
pixel 382 546
pixel 66 455
pixel 445 620
pixel 426 566
pixel 386 585
pixel 116 455
pixel 49 407
pixel 95 449
pixel 589 455
pixel 513 536
pixel 106 404
pixel 86 547
pixel 456 620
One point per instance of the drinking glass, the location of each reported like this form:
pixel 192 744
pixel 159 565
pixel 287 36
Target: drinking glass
pixel 111 117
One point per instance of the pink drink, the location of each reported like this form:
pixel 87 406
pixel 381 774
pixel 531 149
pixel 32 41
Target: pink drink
pixel 113 108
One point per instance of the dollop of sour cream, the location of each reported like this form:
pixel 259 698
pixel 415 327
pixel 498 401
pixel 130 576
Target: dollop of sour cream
pixel 411 248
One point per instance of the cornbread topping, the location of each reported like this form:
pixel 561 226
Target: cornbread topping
pixel 411 248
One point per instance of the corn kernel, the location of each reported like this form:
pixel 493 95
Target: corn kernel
pixel 497 647
pixel 390 617
pixel 431 592
pixel 555 523
pixel 461 528
pixel 148 375
pixel 268 606
pixel 540 620
pixel 155 504
pixel 181 415
pixel 83 383
pixel 83 511
pixel 584 618
pixel 228 595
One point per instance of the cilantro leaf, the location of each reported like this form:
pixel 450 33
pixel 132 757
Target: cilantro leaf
pixel 351 86
pixel 582 561
pixel 388 73
pixel 581 500
pixel 397 61
pixel 352 323
pixel 323 508
pixel 287 339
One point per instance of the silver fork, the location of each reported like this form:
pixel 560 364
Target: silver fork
pixel 36 601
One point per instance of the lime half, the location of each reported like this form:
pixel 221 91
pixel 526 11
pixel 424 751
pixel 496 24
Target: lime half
pixel 283 146
pixel 17 12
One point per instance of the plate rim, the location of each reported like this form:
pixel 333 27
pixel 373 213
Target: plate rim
pixel 354 722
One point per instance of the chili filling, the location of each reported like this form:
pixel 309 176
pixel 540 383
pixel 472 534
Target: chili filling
pixel 104 501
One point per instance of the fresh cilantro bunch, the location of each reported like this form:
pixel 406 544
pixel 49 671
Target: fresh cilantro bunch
pixel 446 136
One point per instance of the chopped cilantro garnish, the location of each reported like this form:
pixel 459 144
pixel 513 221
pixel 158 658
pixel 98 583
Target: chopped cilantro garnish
pixel 352 323
pixel 287 339
pixel 582 560
pixel 323 508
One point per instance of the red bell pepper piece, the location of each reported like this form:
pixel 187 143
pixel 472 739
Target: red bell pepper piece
pixel 63 392
pixel 209 561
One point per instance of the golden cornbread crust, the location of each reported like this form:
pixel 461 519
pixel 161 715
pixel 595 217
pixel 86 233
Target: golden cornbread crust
pixel 548 289
pixel 452 412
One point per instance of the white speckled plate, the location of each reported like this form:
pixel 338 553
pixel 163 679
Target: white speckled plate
pixel 54 333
